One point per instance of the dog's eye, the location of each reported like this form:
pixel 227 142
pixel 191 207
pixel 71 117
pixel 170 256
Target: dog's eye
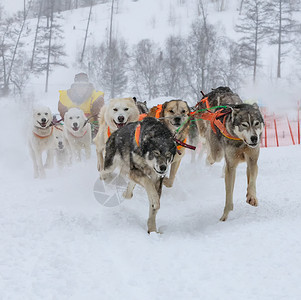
pixel 183 111
pixel 56 137
pixel 156 152
pixel 38 114
pixel 77 117
pixel 256 123
pixel 168 155
pixel 126 109
pixel 171 111
pixel 245 125
pixel 46 114
pixel 70 118
pixel 115 109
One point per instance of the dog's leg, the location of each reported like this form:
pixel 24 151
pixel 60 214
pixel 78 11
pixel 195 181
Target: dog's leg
pixel 153 197
pixel 128 194
pixel 109 164
pixel 34 160
pixel 39 160
pixel 168 181
pixel 252 171
pixel 230 172
pixel 49 159
pixel 88 151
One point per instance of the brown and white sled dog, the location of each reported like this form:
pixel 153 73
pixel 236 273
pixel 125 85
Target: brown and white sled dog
pixel 173 114
pixel 41 140
pixel 117 113
pixel 240 142
pixel 77 132
pixel 143 151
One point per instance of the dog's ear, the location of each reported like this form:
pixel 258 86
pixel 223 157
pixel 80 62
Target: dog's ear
pixel 188 107
pixel 145 102
pixel 135 99
pixel 255 105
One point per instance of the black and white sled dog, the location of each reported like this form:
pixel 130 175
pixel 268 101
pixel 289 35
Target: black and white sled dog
pixel 143 151
pixel 238 141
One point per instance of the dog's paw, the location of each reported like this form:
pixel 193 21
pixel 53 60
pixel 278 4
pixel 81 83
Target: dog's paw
pixel 252 200
pixel 167 182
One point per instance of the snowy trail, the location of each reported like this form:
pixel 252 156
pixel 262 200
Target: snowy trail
pixel 58 242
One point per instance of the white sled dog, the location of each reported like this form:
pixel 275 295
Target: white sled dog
pixel 62 148
pixel 41 139
pixel 117 113
pixel 77 131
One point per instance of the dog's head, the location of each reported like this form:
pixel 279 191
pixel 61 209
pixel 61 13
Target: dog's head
pixel 175 113
pixel 42 116
pixel 75 119
pixel 121 111
pixel 248 123
pixel 59 138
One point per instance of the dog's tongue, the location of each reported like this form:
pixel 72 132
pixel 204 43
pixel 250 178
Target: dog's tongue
pixel 119 125
pixel 75 128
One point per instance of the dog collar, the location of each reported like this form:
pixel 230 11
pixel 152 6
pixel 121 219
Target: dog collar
pixel 76 135
pixel 43 136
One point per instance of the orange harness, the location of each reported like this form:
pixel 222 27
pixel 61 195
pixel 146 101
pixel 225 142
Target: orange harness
pixel 109 132
pixel 78 136
pixel 214 118
pixel 45 136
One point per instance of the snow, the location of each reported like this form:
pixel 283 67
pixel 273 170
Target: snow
pixel 58 242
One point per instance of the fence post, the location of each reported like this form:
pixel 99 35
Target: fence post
pixel 299 122
pixel 289 126
pixel 276 133
pixel 265 132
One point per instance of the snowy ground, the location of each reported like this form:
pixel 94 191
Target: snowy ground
pixel 58 242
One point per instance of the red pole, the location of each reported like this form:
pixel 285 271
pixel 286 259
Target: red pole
pixel 276 133
pixel 299 122
pixel 289 126
pixel 265 133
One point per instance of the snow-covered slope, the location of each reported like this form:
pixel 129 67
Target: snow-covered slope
pixel 58 242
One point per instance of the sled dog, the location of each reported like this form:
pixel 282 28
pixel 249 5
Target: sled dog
pixel 143 151
pixel 117 113
pixel 173 114
pixel 238 140
pixel 41 139
pixel 77 132
pixel 142 107
pixel 62 148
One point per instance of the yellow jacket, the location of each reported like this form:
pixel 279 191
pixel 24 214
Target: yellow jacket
pixel 85 106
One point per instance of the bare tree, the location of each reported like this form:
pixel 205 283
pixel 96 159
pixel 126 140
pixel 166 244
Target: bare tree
pixel 87 29
pixel 146 69
pixel 252 25
pixel 282 27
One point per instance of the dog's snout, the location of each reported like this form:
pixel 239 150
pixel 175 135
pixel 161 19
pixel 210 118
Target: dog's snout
pixel 254 139
pixel 163 168
pixel 121 119
pixel 43 120
pixel 177 119
pixel 75 124
pixel 60 143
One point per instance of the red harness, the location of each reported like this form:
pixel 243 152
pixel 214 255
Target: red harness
pixel 214 118
pixel 43 136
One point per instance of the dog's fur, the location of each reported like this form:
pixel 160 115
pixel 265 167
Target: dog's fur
pixel 62 148
pixel 146 163
pixel 142 107
pixel 174 113
pixel 245 122
pixel 117 113
pixel 41 139
pixel 77 131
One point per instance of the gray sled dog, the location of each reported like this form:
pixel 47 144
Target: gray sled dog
pixel 62 148
pixel 237 139
pixel 41 139
pixel 143 151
